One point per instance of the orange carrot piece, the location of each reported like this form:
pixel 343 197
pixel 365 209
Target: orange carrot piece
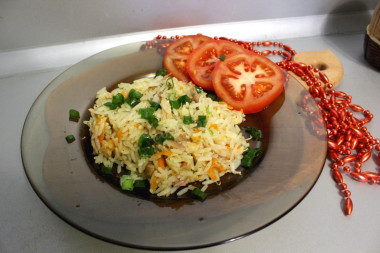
pixel 161 162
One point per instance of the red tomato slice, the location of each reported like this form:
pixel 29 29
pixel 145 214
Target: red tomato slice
pixel 176 55
pixel 248 81
pixel 202 60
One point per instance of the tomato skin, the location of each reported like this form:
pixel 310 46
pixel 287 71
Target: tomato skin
pixel 248 81
pixel 177 53
pixel 202 60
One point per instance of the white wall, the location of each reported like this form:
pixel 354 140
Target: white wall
pixel 33 23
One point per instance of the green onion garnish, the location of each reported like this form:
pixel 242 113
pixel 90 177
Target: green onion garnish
pixel 145 141
pixel 147 113
pixel 175 104
pixel 187 120
pixel 106 170
pixel 198 89
pixel 154 105
pixel 169 82
pixel 213 96
pixel 199 194
pixel 222 57
pixel 70 138
pixel 133 98
pixel 126 183
pixel 254 132
pixel 146 152
pixel 110 105
pixel 141 184
pixel 161 138
pixel 74 115
pixel 202 121
pixel 248 156
pixel 117 101
pixel 161 72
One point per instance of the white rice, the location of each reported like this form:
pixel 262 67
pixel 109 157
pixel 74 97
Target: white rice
pixel 202 154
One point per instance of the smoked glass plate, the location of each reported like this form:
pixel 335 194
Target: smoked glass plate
pixel 62 176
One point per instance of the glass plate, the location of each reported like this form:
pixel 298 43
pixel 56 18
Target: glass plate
pixel 62 176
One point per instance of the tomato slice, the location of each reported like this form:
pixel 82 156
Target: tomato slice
pixel 248 81
pixel 176 55
pixel 202 60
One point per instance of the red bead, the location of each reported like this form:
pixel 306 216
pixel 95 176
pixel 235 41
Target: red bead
pixel 348 206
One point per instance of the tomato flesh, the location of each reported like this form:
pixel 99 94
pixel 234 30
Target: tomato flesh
pixel 247 81
pixel 203 59
pixel 177 53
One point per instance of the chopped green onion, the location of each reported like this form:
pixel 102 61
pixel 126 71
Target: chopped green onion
pixel 133 98
pixel 117 101
pixel 106 170
pixel 145 141
pixel 146 152
pixel 248 156
pixel 175 104
pixel 70 138
pixel 202 121
pixel 74 115
pixel 154 105
pixel 208 111
pixel 199 194
pixel 198 89
pixel 253 131
pixel 222 57
pixel 126 183
pixel 172 96
pixel 110 105
pixel 141 184
pixel 161 138
pixel 147 113
pixel 184 99
pixel 213 96
pixel 161 72
pixel 187 120
pixel 170 82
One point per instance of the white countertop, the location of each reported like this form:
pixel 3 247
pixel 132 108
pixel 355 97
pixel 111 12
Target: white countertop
pixel 317 224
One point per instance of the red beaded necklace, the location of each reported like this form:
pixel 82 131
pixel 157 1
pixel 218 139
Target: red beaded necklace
pixel 350 144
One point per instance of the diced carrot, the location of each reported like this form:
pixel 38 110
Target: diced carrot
pixel 124 93
pixel 211 174
pixel 161 162
pixel 119 135
pixel 228 147
pixel 195 138
pixel 224 103
pixel 215 126
pixel 100 138
pixel 153 184
pixel 196 130
pixel 216 165
pixel 159 154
